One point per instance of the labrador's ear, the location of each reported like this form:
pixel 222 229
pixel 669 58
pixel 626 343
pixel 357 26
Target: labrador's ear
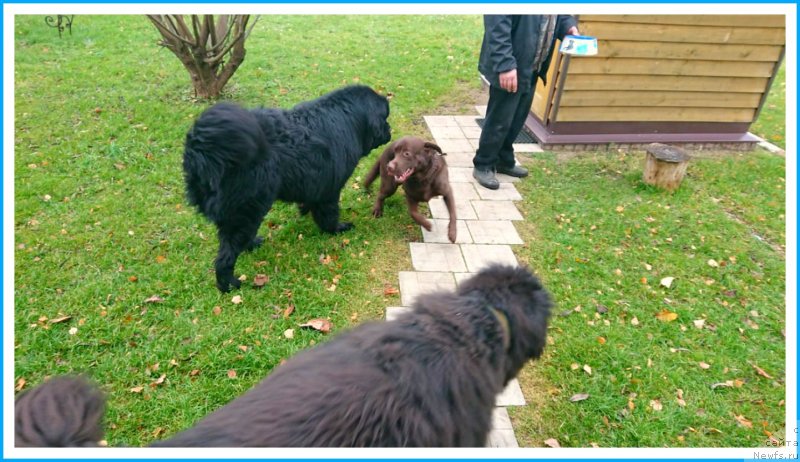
pixel 435 147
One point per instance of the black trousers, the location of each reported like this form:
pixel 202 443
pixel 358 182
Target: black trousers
pixel 505 115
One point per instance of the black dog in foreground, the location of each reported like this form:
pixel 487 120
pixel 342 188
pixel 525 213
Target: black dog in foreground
pixel 428 378
pixel 237 162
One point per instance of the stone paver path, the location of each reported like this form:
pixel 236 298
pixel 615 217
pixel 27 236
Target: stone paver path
pixel 485 235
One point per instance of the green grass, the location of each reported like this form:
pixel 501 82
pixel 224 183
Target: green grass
pixel 601 238
pixel 771 123
pixel 101 225
pixel 101 118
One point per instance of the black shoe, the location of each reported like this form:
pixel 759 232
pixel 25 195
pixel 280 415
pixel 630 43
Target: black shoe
pixel 485 178
pixel 515 171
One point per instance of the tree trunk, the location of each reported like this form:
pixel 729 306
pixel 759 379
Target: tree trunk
pixel 665 166
pixel 211 49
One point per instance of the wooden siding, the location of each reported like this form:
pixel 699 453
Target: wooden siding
pixel 668 68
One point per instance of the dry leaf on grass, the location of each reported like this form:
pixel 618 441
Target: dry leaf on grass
pixel 322 325
pixel 237 299
pixel 552 442
pixel 667 282
pixel 60 319
pixel 666 316
pixel 741 420
pixel 288 333
pixel 389 290
pixel 761 372
pixel 231 374
pixel 704 365
pixel 578 397
pixel 656 404
pixel 587 369
pixel 20 384
pixel 260 280
pixel 288 311
pixel 136 389
pixel 154 299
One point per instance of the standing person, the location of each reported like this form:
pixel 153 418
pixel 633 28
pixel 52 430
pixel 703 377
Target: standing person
pixel 516 51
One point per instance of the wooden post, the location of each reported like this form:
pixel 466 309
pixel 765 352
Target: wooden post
pixel 665 166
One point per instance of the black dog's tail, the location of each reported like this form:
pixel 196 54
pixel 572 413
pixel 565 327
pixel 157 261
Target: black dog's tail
pixel 226 136
pixel 62 412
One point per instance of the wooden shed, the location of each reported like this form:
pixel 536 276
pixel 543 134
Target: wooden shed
pixel 693 79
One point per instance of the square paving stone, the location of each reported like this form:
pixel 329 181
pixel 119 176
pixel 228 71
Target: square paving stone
pixel 478 256
pixel 437 257
pixel 440 121
pixel 439 232
pixel 461 277
pixel 454 145
pixel 459 159
pixel 413 283
pixel 502 439
pixel 464 210
pixel 493 232
pixel 464 191
pixel 507 192
pixel 511 396
pixel 460 174
pixel 496 210
pixel 446 132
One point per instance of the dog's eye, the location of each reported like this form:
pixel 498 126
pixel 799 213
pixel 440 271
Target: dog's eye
pixel 406 154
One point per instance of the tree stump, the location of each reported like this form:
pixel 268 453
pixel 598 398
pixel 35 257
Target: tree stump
pixel 665 166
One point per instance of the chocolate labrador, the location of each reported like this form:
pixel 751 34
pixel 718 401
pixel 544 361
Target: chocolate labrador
pixel 420 167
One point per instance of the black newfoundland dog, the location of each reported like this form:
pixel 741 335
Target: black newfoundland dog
pixel 237 162
pixel 428 378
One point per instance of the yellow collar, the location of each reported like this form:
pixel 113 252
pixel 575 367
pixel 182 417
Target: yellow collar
pixel 504 326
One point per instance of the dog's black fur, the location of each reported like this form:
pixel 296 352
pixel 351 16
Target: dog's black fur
pixel 428 378
pixel 237 162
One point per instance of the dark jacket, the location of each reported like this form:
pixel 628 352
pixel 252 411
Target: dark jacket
pixel 510 41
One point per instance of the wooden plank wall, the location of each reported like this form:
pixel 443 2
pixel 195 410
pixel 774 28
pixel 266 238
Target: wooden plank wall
pixel 671 68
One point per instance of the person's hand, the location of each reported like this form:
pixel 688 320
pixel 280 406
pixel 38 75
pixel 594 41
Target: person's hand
pixel 573 31
pixel 508 81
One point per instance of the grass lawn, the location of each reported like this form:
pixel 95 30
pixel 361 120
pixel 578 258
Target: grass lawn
pixel 102 227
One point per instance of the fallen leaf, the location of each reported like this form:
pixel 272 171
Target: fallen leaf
pixel 61 319
pixel 648 267
pixel 288 311
pixel 260 280
pixel 741 420
pixel 574 366
pixel 73 331
pixel 243 278
pixel 552 442
pixel 656 404
pixel 194 372
pixel 704 365
pixel 602 309
pixel 288 333
pixel 699 323
pixel 322 325
pixel 242 347
pixel 594 445
pixel 136 389
pixel 579 397
pixel 237 299
pixel 20 384
pixel 666 316
pixel 160 380
pixel 154 299
pixel 231 374
pixel 587 369
pixel 160 259
pixel 620 209
pixel 713 263
pixel 389 290
pixel 726 384
pixel 634 321
pixel 133 279
pixel 601 340
pixel 761 372
pixel 681 402
pixel 217 310
pixel 667 282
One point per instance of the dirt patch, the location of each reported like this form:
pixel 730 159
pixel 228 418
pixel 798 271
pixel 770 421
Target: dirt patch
pixel 463 99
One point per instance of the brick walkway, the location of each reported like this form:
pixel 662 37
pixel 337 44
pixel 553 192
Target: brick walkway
pixel 485 235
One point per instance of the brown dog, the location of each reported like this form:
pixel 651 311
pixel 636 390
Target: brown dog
pixel 420 167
